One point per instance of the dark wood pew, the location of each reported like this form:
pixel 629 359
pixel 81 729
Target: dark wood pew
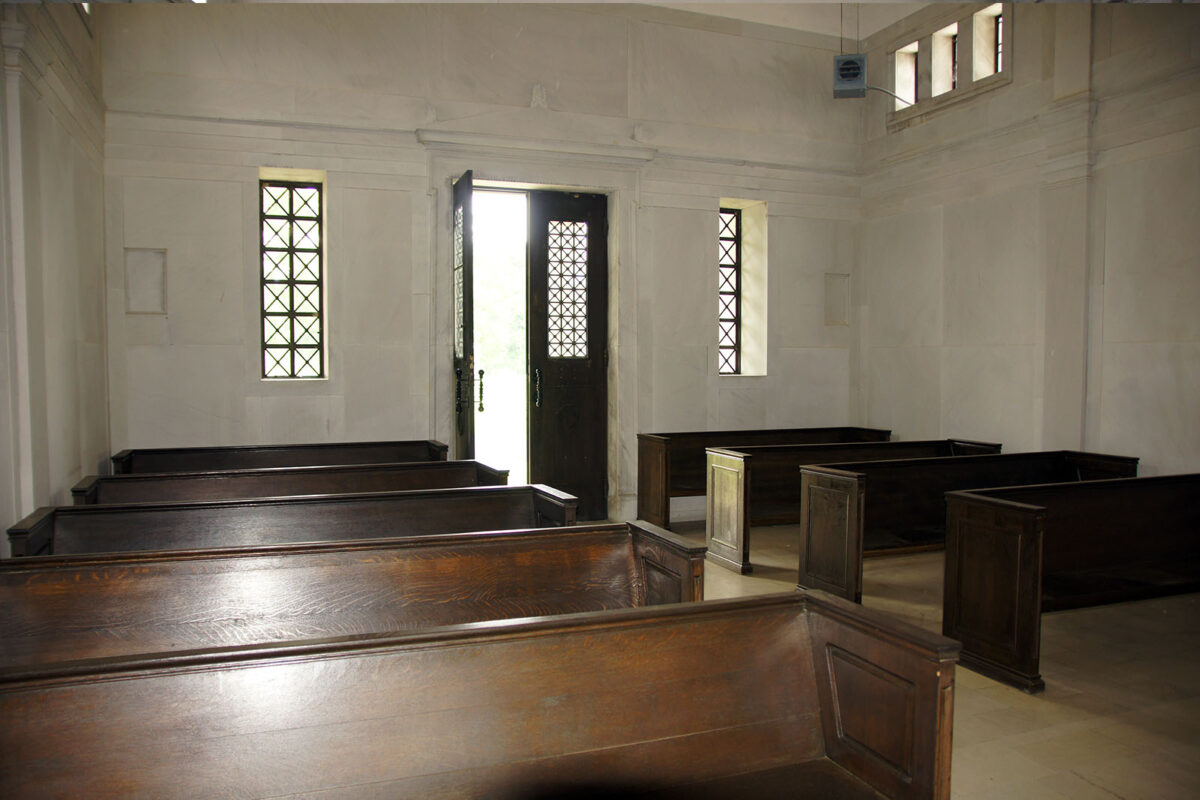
pixel 759 485
pixel 673 464
pixel 778 696
pixel 1013 553
pixel 196 459
pixel 280 520
pixel 895 506
pixel 67 608
pixel 159 487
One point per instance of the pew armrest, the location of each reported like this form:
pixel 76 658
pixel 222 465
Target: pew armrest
pixel 672 567
pixel 34 535
pixel 552 507
pixel 84 493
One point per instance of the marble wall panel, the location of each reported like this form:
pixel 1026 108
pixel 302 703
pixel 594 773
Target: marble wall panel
pixel 993 275
pixel 1149 406
pixel 1151 279
pixel 199 224
pixel 378 384
pixel 287 419
pixel 720 80
pixel 989 394
pixel 680 395
pixel 372 260
pixel 681 274
pixel 741 403
pixel 812 388
pixel 186 395
pixel 903 387
pixel 903 275
pixel 552 57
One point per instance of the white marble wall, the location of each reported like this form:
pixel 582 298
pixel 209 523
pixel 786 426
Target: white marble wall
pixel 1031 276
pixel 54 398
pixel 665 111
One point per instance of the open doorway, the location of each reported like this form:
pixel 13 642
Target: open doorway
pixel 501 225
pixel 531 341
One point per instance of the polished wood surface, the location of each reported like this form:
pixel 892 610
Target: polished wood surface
pixel 882 506
pixel 1012 554
pixel 673 464
pixel 194 459
pixel 151 487
pixel 713 699
pixel 760 485
pixel 68 608
pixel 279 520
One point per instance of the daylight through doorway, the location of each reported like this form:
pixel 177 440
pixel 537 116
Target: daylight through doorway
pixel 501 414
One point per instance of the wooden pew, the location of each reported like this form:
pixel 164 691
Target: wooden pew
pixel 159 487
pixel 900 505
pixel 672 464
pixel 759 485
pixel 68 608
pixel 778 696
pixel 196 459
pixel 1013 553
pixel 280 520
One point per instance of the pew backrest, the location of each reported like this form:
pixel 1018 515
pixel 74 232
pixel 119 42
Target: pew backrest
pixel 280 520
pixel 68 608
pixel 650 698
pixel 1012 553
pixel 194 459
pixel 673 464
pixel 843 504
pixel 159 487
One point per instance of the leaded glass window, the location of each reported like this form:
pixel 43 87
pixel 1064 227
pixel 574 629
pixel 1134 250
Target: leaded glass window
pixel 568 291
pixel 729 293
pixel 458 283
pixel 292 225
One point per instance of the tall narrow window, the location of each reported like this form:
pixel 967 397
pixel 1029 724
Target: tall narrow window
pixel 729 294
pixel 292 223
pixel 954 61
pixel 999 42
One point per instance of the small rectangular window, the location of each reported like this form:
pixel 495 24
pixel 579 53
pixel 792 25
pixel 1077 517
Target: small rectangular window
pixel 906 75
pixel 729 294
pixel 292 232
pixel 944 60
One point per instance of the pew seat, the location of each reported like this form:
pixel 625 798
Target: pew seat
pixel 279 520
pixel 71 608
pixel 194 459
pixel 1014 553
pixel 765 697
pixel 760 485
pixel 159 487
pixel 673 464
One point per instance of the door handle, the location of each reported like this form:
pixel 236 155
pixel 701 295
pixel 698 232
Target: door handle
pixel 537 388
pixel 481 390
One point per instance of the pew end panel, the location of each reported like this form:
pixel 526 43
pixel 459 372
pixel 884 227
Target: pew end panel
pixel 727 519
pixel 831 540
pixel 654 478
pixel 731 700
pixel 33 535
pixel 672 567
pixel 553 508
pixel 887 696
pixel 992 593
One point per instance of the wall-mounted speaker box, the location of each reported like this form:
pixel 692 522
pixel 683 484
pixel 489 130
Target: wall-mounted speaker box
pixel 850 75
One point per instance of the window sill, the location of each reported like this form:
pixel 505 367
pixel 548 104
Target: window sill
pixel 916 114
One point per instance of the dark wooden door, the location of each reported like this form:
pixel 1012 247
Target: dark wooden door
pixel 464 334
pixel 568 341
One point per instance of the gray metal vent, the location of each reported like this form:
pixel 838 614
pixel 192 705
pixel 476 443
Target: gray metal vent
pixel 850 75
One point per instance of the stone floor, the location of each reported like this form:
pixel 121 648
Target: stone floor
pixel 1120 716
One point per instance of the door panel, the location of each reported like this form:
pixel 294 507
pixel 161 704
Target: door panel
pixel 568 340
pixel 464 334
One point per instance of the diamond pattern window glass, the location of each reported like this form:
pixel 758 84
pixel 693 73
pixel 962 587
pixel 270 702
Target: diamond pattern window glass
pixel 729 291
pixel 568 291
pixel 458 282
pixel 293 341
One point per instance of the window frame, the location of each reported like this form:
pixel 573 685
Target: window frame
pixel 729 365
pixel 316 296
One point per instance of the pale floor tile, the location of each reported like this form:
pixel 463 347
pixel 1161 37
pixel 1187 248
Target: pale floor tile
pixel 1120 717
